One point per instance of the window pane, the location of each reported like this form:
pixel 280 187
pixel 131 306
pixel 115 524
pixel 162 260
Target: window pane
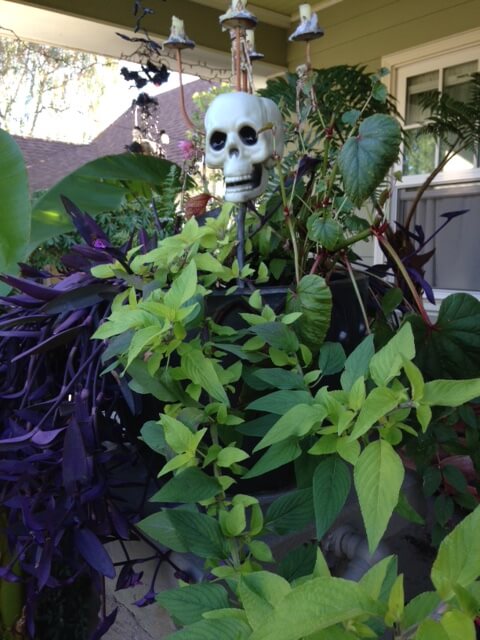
pixel 457 85
pixel 417 86
pixel 456 262
pixel 419 155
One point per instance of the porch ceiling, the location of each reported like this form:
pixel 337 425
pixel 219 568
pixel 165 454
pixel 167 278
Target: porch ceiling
pixel 91 25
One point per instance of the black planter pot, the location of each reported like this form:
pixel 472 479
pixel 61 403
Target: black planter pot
pixel 347 324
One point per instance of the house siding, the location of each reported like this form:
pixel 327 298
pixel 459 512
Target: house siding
pixel 362 32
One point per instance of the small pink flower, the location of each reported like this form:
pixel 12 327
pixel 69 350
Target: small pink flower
pixel 187 149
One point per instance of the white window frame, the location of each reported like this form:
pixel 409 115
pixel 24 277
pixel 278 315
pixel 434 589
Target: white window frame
pixel 404 64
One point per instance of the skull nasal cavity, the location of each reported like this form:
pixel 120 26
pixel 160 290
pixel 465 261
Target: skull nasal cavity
pixel 218 140
pixel 248 135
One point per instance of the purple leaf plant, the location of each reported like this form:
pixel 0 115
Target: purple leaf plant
pixel 67 433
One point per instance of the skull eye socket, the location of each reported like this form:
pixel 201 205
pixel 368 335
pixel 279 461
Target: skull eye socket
pixel 248 136
pixel 218 140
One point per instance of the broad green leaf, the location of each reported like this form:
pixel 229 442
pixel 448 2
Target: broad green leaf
pixel 458 626
pixel 331 486
pixel 357 363
pixel 183 530
pixel 391 300
pixel 279 402
pixel 276 456
pixel 313 298
pixel 161 386
pixel 365 159
pixel 280 378
pixel 14 207
pixel 378 477
pixel 387 363
pixel 298 421
pixel 277 335
pixel 452 348
pixel 299 562
pixel 324 230
pixel 315 605
pixel 420 608
pixel 153 435
pixel 200 370
pixel 291 512
pixel 458 558
pixel 187 604
pixel 191 485
pixel 379 402
pixel 450 393
pixel 260 593
pixel 331 359
pixel 96 187
pixel 224 628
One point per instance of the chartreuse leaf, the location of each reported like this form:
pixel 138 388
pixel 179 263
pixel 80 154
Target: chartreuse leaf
pixel 374 580
pixel 191 485
pixel 458 559
pixel 357 363
pixel 230 628
pixel 331 486
pixel 378 477
pixel 317 604
pixel 415 379
pixel 200 370
pixel 396 602
pixel 450 393
pixel 183 287
pixel 378 403
pixel 387 363
pixel 431 630
pixel 365 159
pixel 458 626
pixel 184 530
pixel 313 298
pixel 298 421
pixel 187 604
pixel 260 592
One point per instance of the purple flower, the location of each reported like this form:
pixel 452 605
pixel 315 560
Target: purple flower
pixel 187 149
pixel 148 598
pixel 128 577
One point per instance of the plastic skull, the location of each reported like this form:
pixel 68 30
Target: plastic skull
pixel 243 134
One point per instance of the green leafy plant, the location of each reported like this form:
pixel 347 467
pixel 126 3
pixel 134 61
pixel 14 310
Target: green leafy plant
pixel 242 401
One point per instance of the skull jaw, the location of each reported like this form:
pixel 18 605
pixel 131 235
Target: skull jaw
pixel 241 188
